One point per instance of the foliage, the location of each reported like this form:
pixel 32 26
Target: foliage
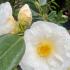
pixel 57 17
pixel 68 8
pixel 12 48
pixel 68 4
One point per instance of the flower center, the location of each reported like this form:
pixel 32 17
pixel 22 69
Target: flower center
pixel 45 48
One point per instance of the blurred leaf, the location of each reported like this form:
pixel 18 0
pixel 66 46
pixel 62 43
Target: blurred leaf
pixel 12 48
pixel 31 3
pixel 55 3
pixel 52 15
pixel 42 2
pixel 56 17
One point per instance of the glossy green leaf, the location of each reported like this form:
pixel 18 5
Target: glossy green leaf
pixel 12 48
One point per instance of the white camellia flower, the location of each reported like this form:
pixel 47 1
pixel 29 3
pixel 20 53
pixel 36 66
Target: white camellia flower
pixel 47 47
pixel 6 19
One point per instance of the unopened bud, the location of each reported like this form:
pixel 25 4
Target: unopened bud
pixel 25 15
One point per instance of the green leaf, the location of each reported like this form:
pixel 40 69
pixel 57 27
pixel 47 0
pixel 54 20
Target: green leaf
pixel 12 48
pixel 52 16
pixel 56 17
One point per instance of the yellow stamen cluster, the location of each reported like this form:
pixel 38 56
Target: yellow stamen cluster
pixel 45 48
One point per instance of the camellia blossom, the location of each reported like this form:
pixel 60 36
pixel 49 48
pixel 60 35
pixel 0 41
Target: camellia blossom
pixel 47 47
pixel 6 19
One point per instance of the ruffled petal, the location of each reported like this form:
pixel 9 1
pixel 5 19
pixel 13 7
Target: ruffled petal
pixel 5 12
pixel 7 22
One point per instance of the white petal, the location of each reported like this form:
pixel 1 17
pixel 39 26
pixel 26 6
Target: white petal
pixel 5 12
pixel 7 22
pixel 54 63
pixel 66 65
pixel 58 30
pixel 26 67
pixel 25 12
pixel 5 28
pixel 37 32
pixel 25 9
pixel 29 57
pixel 42 67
